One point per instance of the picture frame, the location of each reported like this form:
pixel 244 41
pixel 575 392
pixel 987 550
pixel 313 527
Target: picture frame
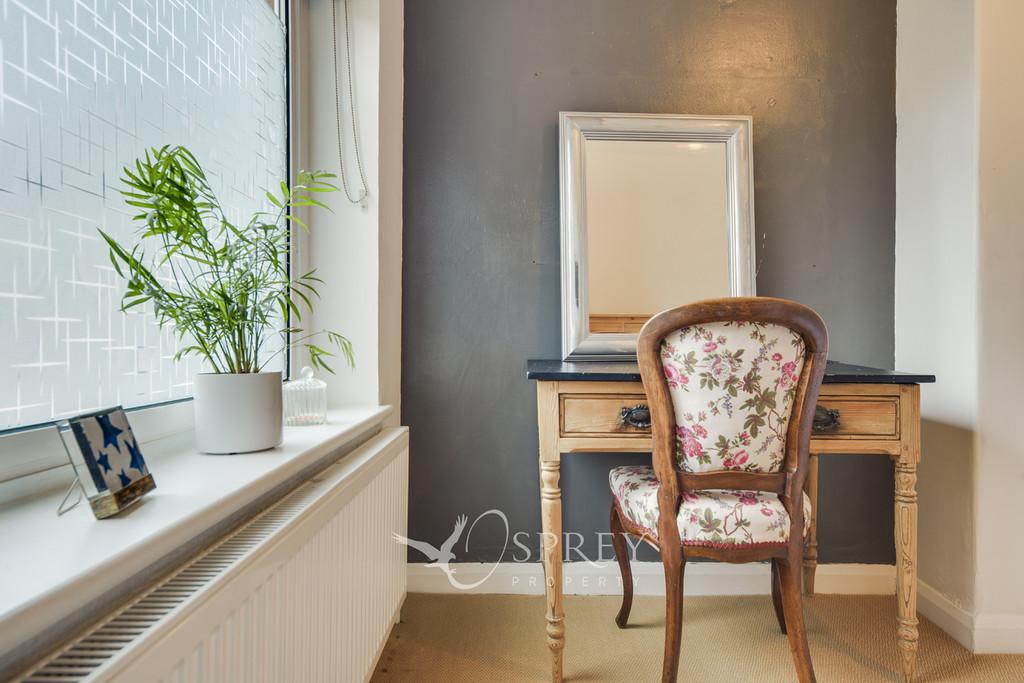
pixel 107 460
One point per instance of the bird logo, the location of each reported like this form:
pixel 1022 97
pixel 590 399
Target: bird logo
pixel 439 557
pixel 442 557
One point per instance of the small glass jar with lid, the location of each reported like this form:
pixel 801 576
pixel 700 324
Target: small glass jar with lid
pixel 305 400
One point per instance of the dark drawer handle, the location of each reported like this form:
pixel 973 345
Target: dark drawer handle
pixel 825 420
pixel 638 416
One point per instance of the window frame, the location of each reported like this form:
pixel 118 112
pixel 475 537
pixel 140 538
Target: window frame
pixel 294 14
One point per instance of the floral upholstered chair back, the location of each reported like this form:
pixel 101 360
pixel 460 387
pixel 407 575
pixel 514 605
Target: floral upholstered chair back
pixel 733 386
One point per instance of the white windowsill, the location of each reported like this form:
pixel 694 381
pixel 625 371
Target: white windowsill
pixel 51 566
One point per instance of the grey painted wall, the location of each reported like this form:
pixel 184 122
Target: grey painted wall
pixel 484 82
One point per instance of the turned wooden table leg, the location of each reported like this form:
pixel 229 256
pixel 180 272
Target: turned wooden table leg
pixel 811 549
pixel 551 522
pixel 906 565
pixel 906 531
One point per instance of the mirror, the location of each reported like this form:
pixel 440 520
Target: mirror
pixel 657 211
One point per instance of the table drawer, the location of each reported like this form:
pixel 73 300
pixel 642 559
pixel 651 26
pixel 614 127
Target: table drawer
pixel 854 417
pixel 601 414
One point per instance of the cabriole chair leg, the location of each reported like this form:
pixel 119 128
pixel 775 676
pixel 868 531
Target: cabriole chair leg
pixel 777 597
pixel 622 555
pixel 792 604
pixel 675 564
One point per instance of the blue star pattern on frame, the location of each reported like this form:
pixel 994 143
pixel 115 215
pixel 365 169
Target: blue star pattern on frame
pixel 110 432
pixel 136 461
pixel 109 449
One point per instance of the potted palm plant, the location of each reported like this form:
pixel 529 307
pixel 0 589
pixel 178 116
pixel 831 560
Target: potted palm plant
pixel 226 289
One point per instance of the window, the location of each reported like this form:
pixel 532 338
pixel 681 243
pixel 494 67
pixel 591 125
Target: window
pixel 85 88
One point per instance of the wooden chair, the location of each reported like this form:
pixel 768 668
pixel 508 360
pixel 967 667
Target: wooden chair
pixel 732 385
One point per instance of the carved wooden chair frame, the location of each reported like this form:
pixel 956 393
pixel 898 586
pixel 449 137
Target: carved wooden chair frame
pixel 787 483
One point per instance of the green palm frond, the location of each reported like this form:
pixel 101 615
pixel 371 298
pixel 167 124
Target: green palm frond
pixel 225 288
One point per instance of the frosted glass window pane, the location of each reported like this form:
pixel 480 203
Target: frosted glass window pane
pixel 85 88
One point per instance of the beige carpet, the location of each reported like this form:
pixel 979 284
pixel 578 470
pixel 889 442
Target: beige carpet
pixel 501 638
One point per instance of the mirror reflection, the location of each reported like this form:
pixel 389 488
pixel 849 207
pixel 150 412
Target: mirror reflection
pixel 657 228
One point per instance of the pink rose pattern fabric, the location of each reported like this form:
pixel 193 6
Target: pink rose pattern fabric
pixel 714 518
pixel 732 386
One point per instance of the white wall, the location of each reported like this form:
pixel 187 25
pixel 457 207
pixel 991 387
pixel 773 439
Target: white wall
pixel 999 475
pixel 356 249
pixel 959 308
pixel 936 274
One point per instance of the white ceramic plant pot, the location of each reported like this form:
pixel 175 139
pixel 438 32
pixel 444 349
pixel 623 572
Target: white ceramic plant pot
pixel 237 413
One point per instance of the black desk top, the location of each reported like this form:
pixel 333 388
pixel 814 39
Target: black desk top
pixel 628 371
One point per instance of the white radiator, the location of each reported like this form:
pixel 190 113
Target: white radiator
pixel 307 591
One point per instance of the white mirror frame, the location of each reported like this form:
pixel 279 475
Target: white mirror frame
pixel 578 342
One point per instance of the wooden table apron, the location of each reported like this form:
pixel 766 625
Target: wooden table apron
pixel 877 414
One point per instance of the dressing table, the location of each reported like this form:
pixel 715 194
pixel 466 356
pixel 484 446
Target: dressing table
pixel 587 407
pixel 657 210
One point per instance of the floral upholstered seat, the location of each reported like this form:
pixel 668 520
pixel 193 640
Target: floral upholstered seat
pixel 714 518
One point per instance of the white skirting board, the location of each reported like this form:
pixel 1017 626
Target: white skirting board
pixel 983 634
pixel 702 578
pixel 996 634
pixel 946 614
